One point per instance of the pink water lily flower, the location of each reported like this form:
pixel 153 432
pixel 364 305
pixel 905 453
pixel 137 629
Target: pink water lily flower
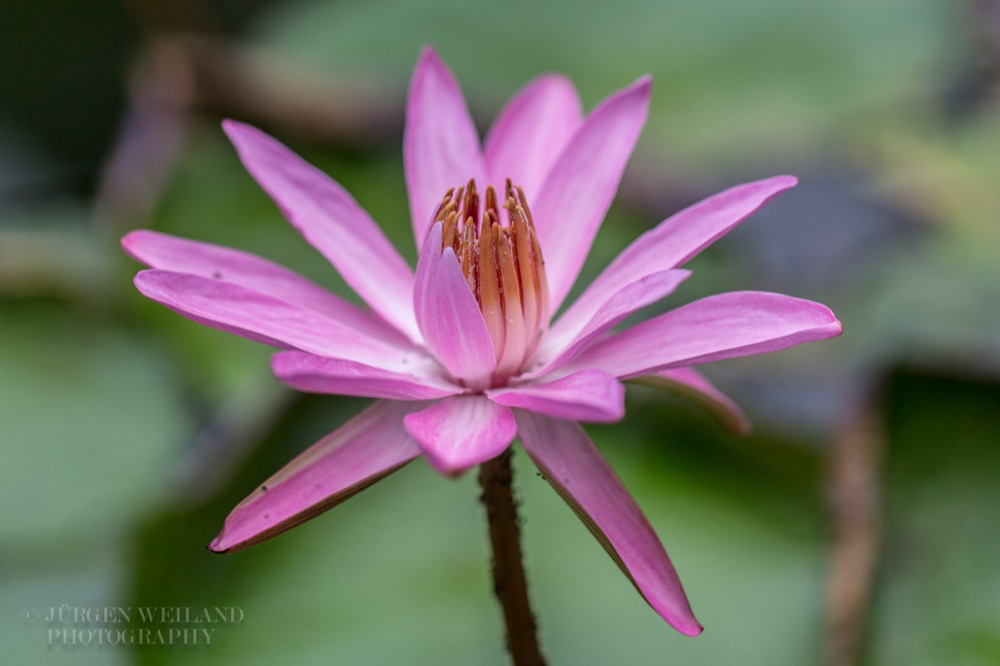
pixel 460 354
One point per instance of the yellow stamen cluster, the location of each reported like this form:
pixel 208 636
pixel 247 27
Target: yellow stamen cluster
pixel 503 265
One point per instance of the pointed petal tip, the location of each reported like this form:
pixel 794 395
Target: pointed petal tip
pixel 691 628
pixel 681 620
pixel 768 187
pixel 832 326
pixel 453 469
pixel 837 326
pixel 233 127
pixel 555 79
pixel 430 60
pixel 822 322
pixel 787 180
pixel 223 544
pixel 241 134
pixel 141 279
pixel 139 242
pixel 447 468
pixel 641 88
pixel 130 240
pixel 428 53
pixel 773 185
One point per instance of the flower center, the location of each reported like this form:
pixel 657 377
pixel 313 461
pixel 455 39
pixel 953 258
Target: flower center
pixel 503 266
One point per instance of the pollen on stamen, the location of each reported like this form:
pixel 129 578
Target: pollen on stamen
pixel 503 266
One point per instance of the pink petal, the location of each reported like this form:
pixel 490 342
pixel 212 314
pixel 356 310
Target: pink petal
pixel 673 242
pixel 181 255
pixel 440 143
pixel 578 472
pixel 718 327
pixel 581 184
pixel 531 132
pixel 332 222
pixel 449 317
pixel 319 374
pixel 691 383
pixel 356 455
pixel 459 432
pixel 235 309
pixel 563 343
pixel 590 395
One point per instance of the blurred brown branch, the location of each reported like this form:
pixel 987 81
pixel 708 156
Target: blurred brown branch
pixel 177 76
pixel 856 506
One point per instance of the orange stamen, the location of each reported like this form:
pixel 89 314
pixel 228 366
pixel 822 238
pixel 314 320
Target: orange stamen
pixel 502 264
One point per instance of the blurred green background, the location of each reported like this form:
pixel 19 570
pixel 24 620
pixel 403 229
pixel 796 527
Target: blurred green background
pixel 858 524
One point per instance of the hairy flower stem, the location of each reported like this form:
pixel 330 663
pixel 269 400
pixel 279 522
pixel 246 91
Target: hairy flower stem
pixel 509 582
